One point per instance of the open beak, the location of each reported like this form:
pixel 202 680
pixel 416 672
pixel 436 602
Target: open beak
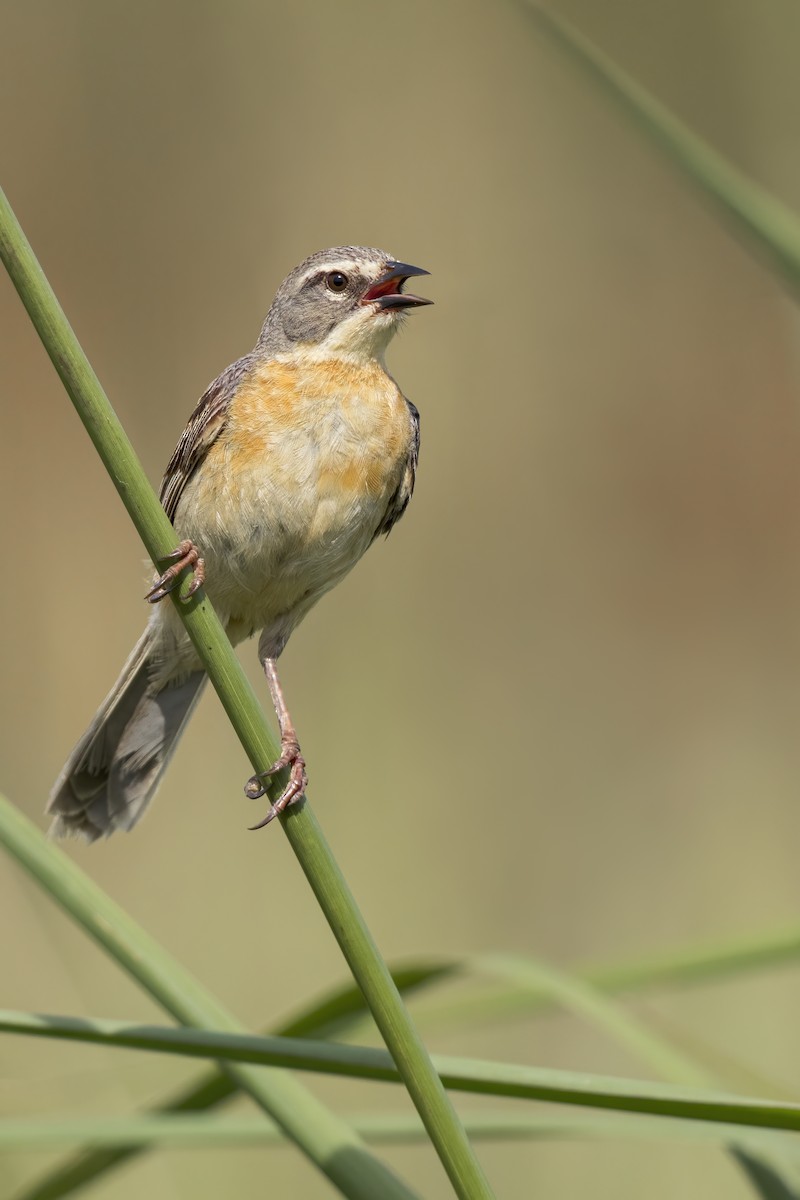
pixel 388 292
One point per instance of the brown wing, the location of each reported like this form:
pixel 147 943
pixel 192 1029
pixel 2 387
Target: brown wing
pixel 399 501
pixel 203 428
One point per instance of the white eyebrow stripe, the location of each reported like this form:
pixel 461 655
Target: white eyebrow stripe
pixel 324 268
pixel 341 264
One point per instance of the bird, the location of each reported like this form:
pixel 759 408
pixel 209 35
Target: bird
pixel 295 459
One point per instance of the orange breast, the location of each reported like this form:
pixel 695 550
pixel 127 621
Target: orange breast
pixel 331 424
pixel 295 488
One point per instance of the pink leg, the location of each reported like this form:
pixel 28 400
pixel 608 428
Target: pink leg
pixel 183 556
pixel 290 755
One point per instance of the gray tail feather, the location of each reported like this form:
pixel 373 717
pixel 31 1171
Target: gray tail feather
pixel 116 767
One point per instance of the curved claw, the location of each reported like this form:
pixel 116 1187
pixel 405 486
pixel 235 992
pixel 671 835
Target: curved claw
pixel 266 820
pixel 294 790
pixel 184 556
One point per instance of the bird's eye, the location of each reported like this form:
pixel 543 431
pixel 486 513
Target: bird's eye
pixel 336 281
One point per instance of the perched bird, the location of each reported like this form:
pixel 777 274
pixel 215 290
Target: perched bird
pixel 295 459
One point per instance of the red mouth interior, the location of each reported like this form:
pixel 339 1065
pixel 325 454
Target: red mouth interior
pixel 389 287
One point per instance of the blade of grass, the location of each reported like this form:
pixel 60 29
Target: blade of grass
pixel 706 963
pixel 686 965
pixel 770 1168
pixel 700 964
pixel 322 1136
pixel 459 1074
pixel 332 1015
pixel 723 1065
pixel 585 1001
pixel 226 674
pixel 768 226
pixel 203 1132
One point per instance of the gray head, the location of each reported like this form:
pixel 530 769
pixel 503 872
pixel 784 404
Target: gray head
pixel 348 300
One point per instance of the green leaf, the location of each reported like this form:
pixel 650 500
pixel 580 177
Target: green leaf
pixel 332 1015
pixel 707 963
pixel 339 1012
pixel 458 1074
pixel 768 226
pixel 771 1167
pixel 204 1132
pixel 586 1002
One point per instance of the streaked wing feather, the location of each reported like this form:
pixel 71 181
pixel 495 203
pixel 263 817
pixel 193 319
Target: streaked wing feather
pixel 203 428
pixel 399 501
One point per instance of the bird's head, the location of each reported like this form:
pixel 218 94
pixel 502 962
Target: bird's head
pixel 345 301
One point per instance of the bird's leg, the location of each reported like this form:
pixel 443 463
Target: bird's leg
pixel 183 556
pixel 290 755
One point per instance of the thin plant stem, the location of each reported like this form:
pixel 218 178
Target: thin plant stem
pixel 482 1077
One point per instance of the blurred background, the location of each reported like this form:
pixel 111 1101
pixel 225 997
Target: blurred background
pixel 558 711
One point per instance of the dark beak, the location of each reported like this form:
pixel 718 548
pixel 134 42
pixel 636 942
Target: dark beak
pixel 387 291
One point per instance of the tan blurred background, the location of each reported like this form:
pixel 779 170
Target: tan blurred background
pixel 602 551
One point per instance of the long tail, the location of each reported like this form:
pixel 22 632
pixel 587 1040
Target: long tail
pixel 116 767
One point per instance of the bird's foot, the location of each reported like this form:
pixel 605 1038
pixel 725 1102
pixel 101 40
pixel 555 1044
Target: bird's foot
pixel 295 788
pixel 184 556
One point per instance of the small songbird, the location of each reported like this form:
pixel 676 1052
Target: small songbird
pixel 295 459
